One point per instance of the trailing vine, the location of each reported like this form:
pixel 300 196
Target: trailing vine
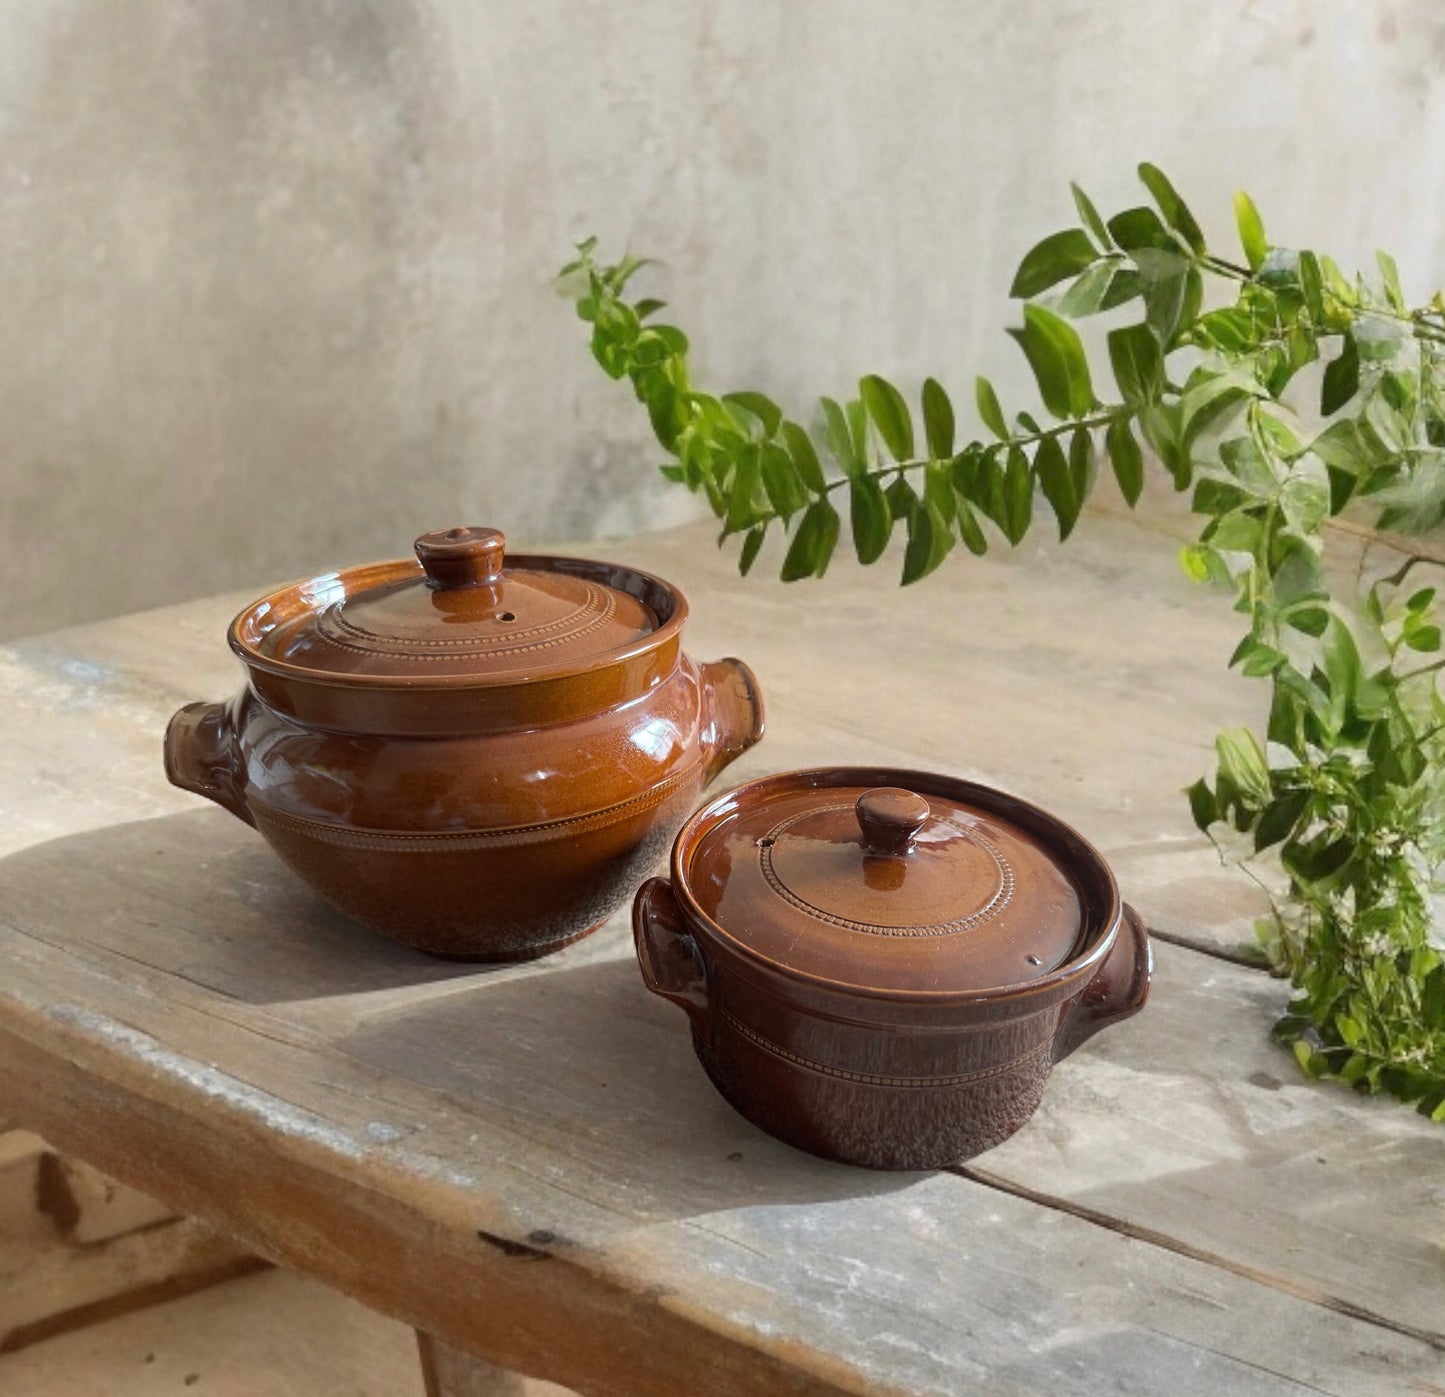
pixel 1302 396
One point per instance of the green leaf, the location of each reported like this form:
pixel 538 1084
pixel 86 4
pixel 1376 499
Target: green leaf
pixel 1127 459
pixel 839 436
pixel 1176 212
pixel 1229 329
pixel 1307 1058
pixel 805 457
pixel 1277 821
pixel 1312 286
pixel 1195 560
pixel 1162 428
pixel 901 497
pixel 938 489
pixel 780 481
pixel 872 519
pixel 1057 484
pixel 1241 760
pixel 989 493
pixel 1138 364
pixel 1390 275
pixel 989 409
pixel 929 543
pixel 937 420
pixel 758 405
pixel 813 543
pixel 1202 805
pixel 1089 216
pixel 857 415
pixel 1210 396
pixel 617 277
pixel 1140 228
pixel 1340 659
pixel 970 530
pixel 1238 533
pixel 1018 496
pixel 889 411
pixel 1060 255
pixel 1168 292
pixel 1251 231
pixel 1056 355
pixel 1126 286
pixel 751 547
pixel 1342 377
pixel 1087 295
pixel 742 511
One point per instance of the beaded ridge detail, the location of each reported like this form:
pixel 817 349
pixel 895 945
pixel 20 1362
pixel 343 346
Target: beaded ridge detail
pixel 418 841
pixel 985 913
pixel 873 1079
pixel 593 612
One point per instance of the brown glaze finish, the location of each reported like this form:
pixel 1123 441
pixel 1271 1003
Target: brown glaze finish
pixel 478 759
pixel 855 1042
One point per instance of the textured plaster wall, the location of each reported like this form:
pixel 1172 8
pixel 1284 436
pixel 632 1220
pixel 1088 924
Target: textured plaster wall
pixel 274 273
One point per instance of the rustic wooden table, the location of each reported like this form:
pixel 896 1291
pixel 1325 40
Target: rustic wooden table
pixel 528 1165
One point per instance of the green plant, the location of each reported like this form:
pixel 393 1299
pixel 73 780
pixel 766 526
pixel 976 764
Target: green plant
pixel 1342 800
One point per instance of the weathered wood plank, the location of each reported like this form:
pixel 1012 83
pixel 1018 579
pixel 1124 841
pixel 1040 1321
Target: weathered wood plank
pixel 553 1112
pixel 490 1155
pixel 1184 1124
pixel 789 1282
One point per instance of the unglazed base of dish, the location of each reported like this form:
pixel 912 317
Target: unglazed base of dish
pixel 485 897
pixel 516 957
pixel 893 1124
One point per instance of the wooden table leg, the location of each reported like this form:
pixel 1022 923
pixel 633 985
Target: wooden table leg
pixel 449 1372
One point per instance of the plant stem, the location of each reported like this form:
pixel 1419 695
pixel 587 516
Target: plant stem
pixel 1101 419
pixel 1417 320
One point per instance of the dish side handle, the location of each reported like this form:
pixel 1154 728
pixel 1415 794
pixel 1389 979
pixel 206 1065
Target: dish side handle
pixel 733 711
pixel 202 756
pixel 1119 987
pixel 671 963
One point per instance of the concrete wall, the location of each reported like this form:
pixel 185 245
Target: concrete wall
pixel 274 273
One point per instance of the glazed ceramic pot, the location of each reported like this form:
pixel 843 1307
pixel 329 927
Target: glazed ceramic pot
pixel 882 966
pixel 479 756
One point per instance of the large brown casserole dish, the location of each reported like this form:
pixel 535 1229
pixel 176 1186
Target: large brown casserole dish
pixel 475 755
pixel 882 966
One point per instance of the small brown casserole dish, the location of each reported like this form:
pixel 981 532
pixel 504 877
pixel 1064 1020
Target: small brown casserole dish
pixel 882 966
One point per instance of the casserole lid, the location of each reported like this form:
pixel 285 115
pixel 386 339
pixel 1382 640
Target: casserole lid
pixel 458 612
pixel 921 884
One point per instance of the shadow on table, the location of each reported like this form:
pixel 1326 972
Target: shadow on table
pixel 581 1061
pixel 569 1053
pixel 200 895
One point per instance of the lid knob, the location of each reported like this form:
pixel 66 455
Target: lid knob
pixel 462 557
pixel 889 817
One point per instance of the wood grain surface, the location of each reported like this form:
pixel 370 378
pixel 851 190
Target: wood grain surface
pixel 527 1163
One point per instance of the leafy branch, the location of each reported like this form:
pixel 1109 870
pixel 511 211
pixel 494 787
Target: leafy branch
pixel 1342 799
